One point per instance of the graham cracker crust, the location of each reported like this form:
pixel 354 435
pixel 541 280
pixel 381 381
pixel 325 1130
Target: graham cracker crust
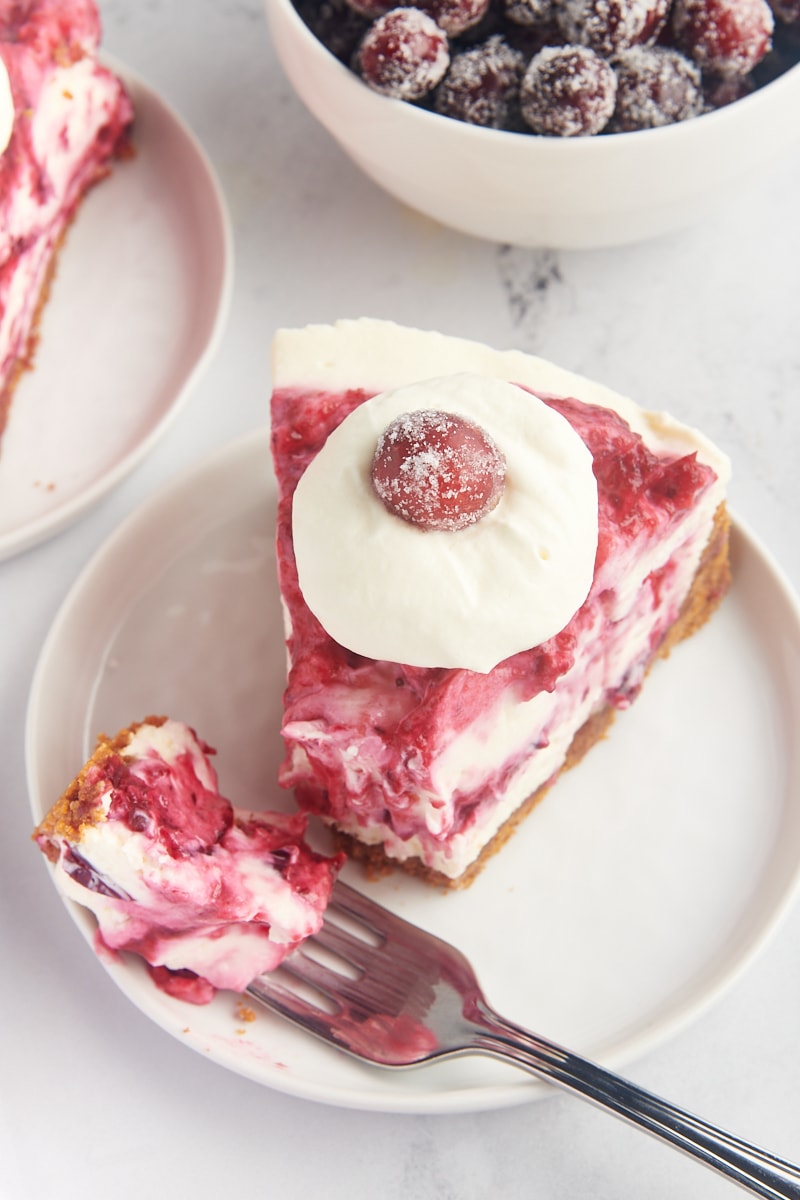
pixel 25 360
pixel 77 808
pixel 711 582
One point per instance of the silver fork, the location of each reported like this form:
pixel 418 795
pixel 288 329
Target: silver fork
pixel 391 994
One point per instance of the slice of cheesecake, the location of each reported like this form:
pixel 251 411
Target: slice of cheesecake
pixel 440 678
pixel 208 895
pixel 63 117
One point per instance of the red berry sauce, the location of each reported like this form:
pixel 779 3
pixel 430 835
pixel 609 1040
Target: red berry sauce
pixel 167 803
pixel 182 985
pixel 437 470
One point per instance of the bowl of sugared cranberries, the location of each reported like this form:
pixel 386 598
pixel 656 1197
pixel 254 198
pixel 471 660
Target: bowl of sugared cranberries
pixel 560 123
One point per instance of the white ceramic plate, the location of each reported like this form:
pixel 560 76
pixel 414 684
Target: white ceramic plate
pixel 639 888
pixel 135 312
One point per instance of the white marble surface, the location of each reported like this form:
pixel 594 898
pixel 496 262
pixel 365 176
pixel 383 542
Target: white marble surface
pixel 94 1101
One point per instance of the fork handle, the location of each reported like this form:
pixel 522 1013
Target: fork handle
pixel 752 1168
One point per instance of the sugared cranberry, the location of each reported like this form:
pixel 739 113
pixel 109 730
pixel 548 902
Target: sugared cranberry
pixel 481 84
pixel 455 16
pixel 609 26
pixel 567 91
pixel 403 54
pixel 719 92
pixel 370 8
pixel 338 26
pixel 655 86
pixel 725 37
pixel 530 12
pixel 437 470
pixel 528 25
pixel 787 11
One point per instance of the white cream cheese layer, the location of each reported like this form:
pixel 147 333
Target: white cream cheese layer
pixel 169 741
pixel 478 757
pixel 388 589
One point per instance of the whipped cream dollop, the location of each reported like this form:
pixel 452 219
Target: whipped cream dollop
pixel 388 589
pixel 6 108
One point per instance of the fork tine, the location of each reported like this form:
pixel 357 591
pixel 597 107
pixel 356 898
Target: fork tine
pixel 268 990
pixel 387 925
pixel 383 987
pixel 417 1000
pixel 361 908
pixel 381 923
pixel 310 970
pixel 351 949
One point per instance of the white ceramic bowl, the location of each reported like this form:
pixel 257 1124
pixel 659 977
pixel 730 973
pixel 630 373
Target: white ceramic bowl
pixel 539 191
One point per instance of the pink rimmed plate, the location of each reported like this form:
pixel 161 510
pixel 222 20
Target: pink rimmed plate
pixel 135 312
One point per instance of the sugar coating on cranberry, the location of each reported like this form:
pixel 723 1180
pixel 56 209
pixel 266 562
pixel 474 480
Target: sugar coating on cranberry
pixel 481 84
pixel 719 91
pixel 567 91
pixel 403 54
pixel 437 470
pixel 655 86
pixel 725 37
pixel 609 26
pixel 455 16
pixel 530 12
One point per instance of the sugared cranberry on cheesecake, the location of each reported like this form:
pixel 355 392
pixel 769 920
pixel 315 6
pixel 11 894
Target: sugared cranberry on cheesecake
pixel 480 556
pixel 63 117
pixel 437 470
pixel 208 895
